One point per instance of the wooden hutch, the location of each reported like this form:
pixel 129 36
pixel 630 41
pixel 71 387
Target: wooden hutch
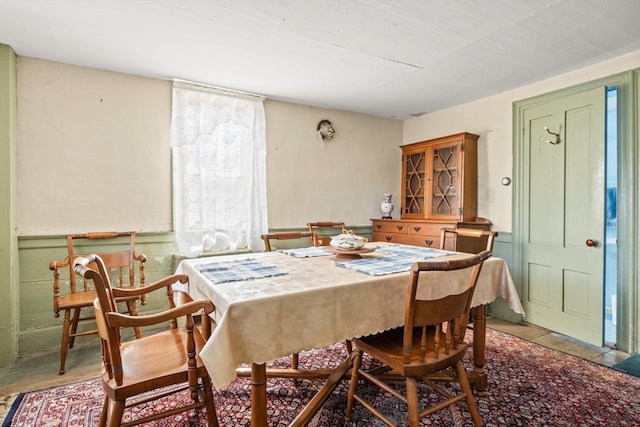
pixel 438 190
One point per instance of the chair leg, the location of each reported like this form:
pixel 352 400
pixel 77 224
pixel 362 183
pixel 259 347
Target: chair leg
pixel 74 327
pixel 349 346
pixel 295 360
pixel 412 401
pixel 353 384
pixel 64 344
pixel 105 412
pixel 210 405
pixel 117 409
pixel 466 388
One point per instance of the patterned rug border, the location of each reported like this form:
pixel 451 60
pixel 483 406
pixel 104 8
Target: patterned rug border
pixel 8 406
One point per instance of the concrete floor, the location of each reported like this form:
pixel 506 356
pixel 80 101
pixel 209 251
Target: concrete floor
pixel 41 370
pixel 601 355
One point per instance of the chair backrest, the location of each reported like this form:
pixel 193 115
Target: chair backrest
pixel 461 239
pixel 103 332
pixel 446 316
pixel 325 231
pixel 266 238
pixel 120 264
pixel 93 268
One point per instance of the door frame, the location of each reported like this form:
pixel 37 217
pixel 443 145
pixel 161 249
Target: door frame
pixel 628 181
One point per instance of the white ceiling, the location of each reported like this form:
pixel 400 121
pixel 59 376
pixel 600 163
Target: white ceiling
pixel 388 58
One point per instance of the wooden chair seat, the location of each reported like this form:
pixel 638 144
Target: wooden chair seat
pixel 85 299
pixel 155 359
pixel 76 300
pixel 387 347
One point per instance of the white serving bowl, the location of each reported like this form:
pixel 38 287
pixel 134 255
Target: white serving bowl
pixel 347 240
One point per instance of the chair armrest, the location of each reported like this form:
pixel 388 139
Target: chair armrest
pixel 142 259
pixel 139 257
pixel 125 320
pixel 162 283
pixel 55 266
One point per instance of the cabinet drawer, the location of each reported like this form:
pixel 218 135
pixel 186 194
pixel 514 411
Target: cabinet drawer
pixel 426 240
pixel 430 241
pixel 388 237
pixel 390 227
pixel 423 228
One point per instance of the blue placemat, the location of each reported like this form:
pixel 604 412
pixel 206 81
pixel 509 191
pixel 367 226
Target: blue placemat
pixel 233 271
pixel 417 252
pixel 400 258
pixel 312 251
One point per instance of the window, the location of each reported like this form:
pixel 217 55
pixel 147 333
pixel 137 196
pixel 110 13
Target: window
pixel 611 212
pixel 218 141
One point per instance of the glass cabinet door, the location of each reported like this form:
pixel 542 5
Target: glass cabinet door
pixel 445 187
pixel 414 182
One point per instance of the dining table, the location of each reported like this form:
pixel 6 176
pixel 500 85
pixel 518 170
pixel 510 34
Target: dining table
pixel 269 305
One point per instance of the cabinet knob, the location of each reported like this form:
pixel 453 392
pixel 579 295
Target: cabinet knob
pixel 399 227
pixel 378 226
pixel 388 238
pixel 429 242
pixel 416 228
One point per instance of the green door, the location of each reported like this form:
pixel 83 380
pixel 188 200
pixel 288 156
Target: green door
pixel 563 258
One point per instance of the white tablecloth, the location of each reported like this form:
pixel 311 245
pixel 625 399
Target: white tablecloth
pixel 313 304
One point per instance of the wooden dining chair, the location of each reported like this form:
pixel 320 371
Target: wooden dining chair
pixel 429 347
pixel 325 231
pixel 76 296
pixel 471 240
pixel 295 358
pixel 154 366
pixel 292 235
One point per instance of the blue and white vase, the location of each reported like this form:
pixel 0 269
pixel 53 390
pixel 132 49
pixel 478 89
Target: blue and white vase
pixel 386 207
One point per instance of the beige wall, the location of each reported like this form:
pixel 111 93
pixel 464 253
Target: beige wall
pixel 109 132
pixel 93 150
pixel 123 122
pixel 341 179
pixel 491 118
pixel 106 135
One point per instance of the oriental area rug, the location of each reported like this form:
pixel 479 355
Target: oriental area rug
pixel 529 385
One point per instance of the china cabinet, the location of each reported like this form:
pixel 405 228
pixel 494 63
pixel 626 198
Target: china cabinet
pixel 438 190
pixel 439 178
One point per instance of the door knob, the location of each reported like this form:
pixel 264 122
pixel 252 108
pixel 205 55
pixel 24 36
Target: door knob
pixel 591 243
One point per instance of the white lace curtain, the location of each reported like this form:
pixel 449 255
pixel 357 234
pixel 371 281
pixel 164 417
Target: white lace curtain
pixel 219 179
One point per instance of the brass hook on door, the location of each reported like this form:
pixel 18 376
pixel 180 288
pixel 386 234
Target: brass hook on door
pixel 557 135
